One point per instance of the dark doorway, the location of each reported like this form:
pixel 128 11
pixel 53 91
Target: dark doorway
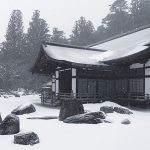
pixel 65 81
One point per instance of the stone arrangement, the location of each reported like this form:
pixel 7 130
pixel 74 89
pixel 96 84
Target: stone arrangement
pixel 72 111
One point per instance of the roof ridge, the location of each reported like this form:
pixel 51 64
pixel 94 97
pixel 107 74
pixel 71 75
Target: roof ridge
pixel 73 46
pixel 120 35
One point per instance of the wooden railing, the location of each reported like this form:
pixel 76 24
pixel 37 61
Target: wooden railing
pixel 94 98
pixel 84 97
pixel 134 97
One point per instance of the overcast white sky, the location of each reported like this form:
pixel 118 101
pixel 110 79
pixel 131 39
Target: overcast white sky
pixel 57 13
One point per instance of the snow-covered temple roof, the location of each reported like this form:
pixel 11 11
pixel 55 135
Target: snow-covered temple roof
pixel 124 45
pixel 124 49
pixel 80 55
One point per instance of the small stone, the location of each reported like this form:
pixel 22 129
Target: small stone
pixel 16 95
pixel 10 125
pixel 126 121
pixel 29 138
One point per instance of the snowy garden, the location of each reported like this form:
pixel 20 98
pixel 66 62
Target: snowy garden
pixel 54 134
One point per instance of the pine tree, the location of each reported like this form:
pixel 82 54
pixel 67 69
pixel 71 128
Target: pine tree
pixel 140 10
pixel 37 33
pixel 12 47
pixel 135 13
pixel 58 36
pixel 117 20
pixel 100 34
pixel 82 33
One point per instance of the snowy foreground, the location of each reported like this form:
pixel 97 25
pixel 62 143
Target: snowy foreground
pixel 56 135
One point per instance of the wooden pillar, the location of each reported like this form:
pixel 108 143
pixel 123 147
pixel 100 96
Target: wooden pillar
pixel 53 83
pixel 74 80
pixel 57 82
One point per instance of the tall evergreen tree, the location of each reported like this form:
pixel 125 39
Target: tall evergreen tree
pixel 58 36
pixel 82 33
pixel 37 33
pixel 135 13
pixel 117 20
pixel 140 10
pixel 101 33
pixel 12 47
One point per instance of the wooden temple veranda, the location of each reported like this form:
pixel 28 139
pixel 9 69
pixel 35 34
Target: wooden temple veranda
pixel 117 69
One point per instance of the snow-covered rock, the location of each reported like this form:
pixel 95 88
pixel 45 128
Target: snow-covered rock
pixel 29 138
pixel 24 109
pixel 10 125
pixel 98 114
pixel 0 118
pixel 107 109
pixel 83 118
pixel 122 110
pixel 125 121
pixel 70 108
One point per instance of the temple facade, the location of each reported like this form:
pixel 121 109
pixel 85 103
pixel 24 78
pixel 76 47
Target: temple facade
pixel 117 69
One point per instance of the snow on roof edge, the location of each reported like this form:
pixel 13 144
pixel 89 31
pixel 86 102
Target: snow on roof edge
pixel 73 46
pixel 119 36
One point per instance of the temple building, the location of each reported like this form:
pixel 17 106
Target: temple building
pixel 116 69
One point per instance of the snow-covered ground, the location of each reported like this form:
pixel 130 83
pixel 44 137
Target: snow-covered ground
pixel 56 135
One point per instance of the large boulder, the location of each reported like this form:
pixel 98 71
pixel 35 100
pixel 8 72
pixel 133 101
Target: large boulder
pixel 126 121
pixel 107 109
pixel 24 109
pixel 83 118
pixel 70 108
pixel 122 110
pixel 29 138
pixel 10 125
pixel 98 114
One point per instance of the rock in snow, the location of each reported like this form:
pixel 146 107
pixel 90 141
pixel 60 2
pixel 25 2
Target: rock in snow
pixel 122 110
pixel 44 118
pixel 10 125
pixel 125 121
pixel 70 108
pixel 83 118
pixel 98 114
pixel 24 109
pixel 0 118
pixel 107 109
pixel 29 138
